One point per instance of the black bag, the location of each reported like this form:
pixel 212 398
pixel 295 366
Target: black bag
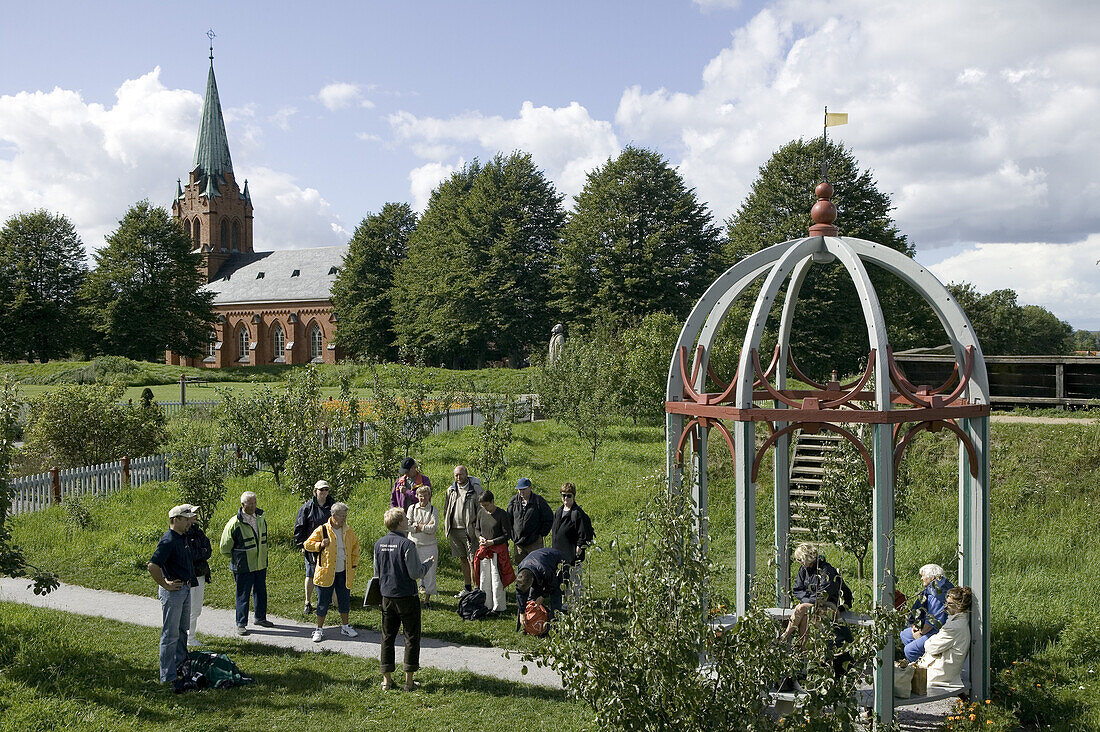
pixel 471 606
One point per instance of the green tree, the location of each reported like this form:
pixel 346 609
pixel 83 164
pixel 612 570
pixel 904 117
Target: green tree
pixel 42 270
pixel 1004 327
pixel 1086 340
pixel 85 424
pixel 647 349
pixel 638 241
pixel 401 413
pixel 13 562
pixel 829 331
pixel 198 467
pixel 475 284
pixel 146 293
pixel 489 456
pixel 251 422
pixel 582 387
pixel 361 293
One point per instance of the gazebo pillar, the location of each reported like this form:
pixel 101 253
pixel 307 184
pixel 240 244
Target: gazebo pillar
pixel 883 555
pixel 974 548
pixel 744 442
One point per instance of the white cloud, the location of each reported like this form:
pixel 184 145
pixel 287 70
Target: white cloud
pixel 565 141
pixel 424 179
pixel 341 94
pixel 979 119
pixel 1065 278
pixel 281 118
pixel 91 161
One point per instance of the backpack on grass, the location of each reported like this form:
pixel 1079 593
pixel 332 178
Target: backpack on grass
pixel 471 606
pixel 213 669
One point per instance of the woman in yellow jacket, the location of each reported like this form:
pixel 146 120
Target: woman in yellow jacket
pixel 337 549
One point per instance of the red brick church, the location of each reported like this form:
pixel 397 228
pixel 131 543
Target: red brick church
pixel 271 307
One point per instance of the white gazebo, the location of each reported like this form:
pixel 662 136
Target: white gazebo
pixel 754 394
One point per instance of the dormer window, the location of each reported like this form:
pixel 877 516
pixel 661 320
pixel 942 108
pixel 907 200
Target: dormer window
pixel 259 275
pixel 295 273
pixel 333 270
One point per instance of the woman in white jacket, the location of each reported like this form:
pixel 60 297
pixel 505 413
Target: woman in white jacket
pixel 423 520
pixel 945 652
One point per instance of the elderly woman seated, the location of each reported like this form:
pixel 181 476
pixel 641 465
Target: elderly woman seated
pixel 929 611
pixel 945 652
pixel 818 585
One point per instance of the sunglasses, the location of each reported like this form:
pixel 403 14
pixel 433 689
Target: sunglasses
pixel 568 495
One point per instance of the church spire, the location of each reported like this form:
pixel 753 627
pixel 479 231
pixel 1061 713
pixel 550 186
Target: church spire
pixel 212 149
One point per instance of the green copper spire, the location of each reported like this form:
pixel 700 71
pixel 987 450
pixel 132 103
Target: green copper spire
pixel 212 149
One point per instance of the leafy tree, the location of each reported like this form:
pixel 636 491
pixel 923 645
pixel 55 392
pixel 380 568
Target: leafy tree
pixel 647 349
pixel 85 424
pixel 251 421
pixel 13 563
pixel 41 272
pixel 1004 327
pixel 632 649
pixel 1086 340
pixel 494 435
pixel 581 388
pixel 361 293
pixel 475 284
pixel 146 293
pixel 198 467
pixel 401 413
pixel 638 241
pixel 829 331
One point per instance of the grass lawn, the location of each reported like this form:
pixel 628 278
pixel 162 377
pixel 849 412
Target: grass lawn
pixel 60 671
pixel 1045 491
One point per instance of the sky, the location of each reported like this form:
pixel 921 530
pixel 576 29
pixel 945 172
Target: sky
pixel 979 119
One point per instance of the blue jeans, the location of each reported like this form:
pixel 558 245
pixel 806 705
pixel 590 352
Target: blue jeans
pixel 175 610
pixel 251 584
pixel 914 647
pixel 343 596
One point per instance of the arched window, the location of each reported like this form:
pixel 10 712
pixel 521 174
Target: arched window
pixel 198 232
pixel 236 235
pixel 278 341
pixel 224 242
pixel 316 343
pixel 242 343
pixel 211 342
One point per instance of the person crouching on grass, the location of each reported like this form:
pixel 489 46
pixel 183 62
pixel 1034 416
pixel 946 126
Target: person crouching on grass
pixel 338 556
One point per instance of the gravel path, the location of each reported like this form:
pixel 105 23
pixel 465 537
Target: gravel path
pixel 1021 419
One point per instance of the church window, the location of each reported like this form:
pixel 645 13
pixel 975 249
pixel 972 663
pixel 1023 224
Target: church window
pixel 198 232
pixel 225 235
pixel 278 339
pixel 211 343
pixel 242 343
pixel 316 343
pixel 236 235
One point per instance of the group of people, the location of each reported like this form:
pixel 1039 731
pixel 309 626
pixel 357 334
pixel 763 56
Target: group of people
pixel 405 560
pixel 937 636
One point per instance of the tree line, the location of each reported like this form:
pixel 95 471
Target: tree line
pixel 496 259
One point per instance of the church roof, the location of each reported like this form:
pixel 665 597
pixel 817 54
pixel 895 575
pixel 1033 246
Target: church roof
pixel 212 148
pixel 288 275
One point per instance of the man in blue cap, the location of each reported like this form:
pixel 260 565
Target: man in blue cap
pixel 532 519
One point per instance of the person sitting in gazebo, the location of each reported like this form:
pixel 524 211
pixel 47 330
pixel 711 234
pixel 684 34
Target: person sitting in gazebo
pixel 818 585
pixel 945 652
pixel 929 611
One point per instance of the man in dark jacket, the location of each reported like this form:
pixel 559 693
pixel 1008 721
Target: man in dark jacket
pixel 173 568
pixel 817 586
pixel 313 513
pixel 532 519
pixel 538 579
pixel 201 550
pixel 397 566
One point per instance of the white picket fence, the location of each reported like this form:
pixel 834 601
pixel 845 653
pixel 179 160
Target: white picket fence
pixel 36 492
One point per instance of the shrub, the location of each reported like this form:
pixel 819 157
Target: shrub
pixel 198 467
pixel 647 349
pixel 581 389
pixel 488 459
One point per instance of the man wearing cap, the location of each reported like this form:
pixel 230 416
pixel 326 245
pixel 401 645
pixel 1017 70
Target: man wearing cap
pixel 532 519
pixel 312 514
pixel 244 541
pixel 172 566
pixel 460 511
pixel 404 490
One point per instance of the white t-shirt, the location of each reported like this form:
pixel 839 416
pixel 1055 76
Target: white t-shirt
pixel 341 557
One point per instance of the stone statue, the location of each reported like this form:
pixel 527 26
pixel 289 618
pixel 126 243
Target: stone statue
pixel 557 342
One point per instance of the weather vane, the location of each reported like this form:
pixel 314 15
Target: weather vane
pixel 210 35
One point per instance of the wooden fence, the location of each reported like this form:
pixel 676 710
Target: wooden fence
pixel 1041 381
pixel 35 492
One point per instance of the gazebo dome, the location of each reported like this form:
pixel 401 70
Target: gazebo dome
pixel 754 394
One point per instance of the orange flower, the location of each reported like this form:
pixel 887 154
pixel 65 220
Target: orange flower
pixel 973 717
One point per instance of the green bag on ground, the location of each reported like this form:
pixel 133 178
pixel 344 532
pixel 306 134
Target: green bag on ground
pixel 218 670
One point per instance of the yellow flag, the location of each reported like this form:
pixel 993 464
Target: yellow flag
pixel 832 119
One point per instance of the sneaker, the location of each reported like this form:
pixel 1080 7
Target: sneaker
pixel 194 643
pixel 308 609
pixel 318 635
pixel 265 623
pixel 241 630
pixel 349 631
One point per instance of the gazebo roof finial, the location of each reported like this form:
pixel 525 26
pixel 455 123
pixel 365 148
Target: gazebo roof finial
pixel 824 211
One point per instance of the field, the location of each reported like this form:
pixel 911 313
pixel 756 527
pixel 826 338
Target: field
pixel 1045 490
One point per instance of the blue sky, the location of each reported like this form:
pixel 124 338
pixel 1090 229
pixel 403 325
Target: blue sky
pixel 978 118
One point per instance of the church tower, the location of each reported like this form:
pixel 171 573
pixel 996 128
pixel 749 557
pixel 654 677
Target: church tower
pixel 213 209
